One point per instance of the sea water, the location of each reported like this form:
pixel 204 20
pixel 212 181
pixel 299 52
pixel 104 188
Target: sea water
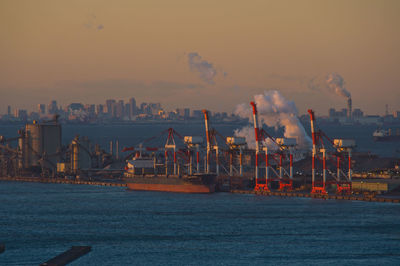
pixel 39 221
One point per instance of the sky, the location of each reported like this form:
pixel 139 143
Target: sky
pixel 199 54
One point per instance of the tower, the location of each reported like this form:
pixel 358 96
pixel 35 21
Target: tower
pixel 132 103
pixel 349 107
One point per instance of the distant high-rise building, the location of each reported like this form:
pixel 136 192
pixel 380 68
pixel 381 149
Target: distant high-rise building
pixel 110 104
pixel 90 109
pixel 197 114
pixel 145 108
pixel 183 112
pixel 155 108
pixel 99 109
pixel 133 109
pixel 9 110
pixel 332 113
pixel 357 113
pixel 21 114
pixel 128 111
pixel 150 108
pixel 52 108
pixel 120 109
pixel 42 109
pixel 180 112
pixel 186 113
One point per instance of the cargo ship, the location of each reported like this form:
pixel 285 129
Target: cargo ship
pixel 385 135
pixel 140 175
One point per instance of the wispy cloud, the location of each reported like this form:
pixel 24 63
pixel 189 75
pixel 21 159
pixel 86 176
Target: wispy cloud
pixel 203 68
pixel 92 23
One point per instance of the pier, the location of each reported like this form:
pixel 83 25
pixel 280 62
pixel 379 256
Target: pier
pixel 317 196
pixel 63 181
pixel 68 256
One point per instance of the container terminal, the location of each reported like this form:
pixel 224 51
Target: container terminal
pixel 204 163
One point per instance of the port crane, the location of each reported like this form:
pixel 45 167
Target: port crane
pixel 285 151
pixel 212 144
pixel 170 149
pixel 224 150
pixel 10 157
pixel 193 144
pixel 340 147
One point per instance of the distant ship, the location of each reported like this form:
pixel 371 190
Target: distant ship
pixel 385 135
pixel 140 175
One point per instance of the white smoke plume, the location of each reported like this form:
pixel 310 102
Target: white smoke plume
pixel 206 70
pixel 335 83
pixel 273 110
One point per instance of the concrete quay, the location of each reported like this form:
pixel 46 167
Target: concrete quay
pixel 63 181
pixel 318 196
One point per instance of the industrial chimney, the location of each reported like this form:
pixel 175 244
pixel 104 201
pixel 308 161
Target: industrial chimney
pixel 349 107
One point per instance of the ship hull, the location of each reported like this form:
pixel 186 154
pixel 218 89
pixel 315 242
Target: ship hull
pixel 391 138
pixel 193 184
pixel 186 188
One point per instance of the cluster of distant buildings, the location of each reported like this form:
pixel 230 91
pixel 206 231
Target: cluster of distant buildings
pixel 347 116
pixel 112 111
pixel 119 111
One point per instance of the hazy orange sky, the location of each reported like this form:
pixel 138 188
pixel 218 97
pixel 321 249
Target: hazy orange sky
pixel 88 51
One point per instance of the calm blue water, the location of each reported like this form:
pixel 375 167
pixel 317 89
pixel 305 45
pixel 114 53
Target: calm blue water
pixel 38 221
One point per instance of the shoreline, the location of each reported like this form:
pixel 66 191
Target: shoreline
pixel 318 196
pixel 62 181
pixel 298 194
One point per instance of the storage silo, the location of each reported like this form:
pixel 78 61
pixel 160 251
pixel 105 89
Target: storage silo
pixel 80 154
pixel 41 144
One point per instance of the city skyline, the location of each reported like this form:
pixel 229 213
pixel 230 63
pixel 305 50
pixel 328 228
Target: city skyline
pixel 112 110
pixel 201 55
pixel 117 110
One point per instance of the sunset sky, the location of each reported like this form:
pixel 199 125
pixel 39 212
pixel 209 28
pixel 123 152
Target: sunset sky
pixel 89 51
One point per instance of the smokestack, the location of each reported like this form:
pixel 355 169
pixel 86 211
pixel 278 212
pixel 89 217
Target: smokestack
pixel 349 107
